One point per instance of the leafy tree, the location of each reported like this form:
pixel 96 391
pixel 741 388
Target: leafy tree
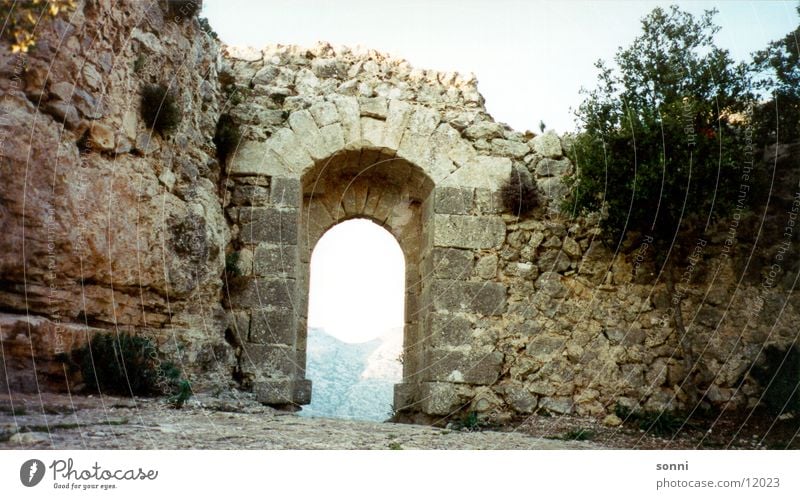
pixel 778 120
pixel 20 19
pixel 663 137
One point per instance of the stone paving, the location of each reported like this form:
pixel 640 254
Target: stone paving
pixel 58 422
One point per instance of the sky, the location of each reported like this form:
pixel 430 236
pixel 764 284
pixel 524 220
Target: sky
pixel 530 57
pixel 357 282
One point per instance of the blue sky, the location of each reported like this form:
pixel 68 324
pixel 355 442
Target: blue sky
pixel 530 57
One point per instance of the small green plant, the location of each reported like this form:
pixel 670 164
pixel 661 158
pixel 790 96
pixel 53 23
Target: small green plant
pixel 519 194
pixel 227 137
pixel 395 446
pixel 159 108
pixel 122 365
pixel 661 424
pixel 139 62
pixel 207 29
pixel 232 264
pixel 183 394
pixel 182 10
pixel 468 422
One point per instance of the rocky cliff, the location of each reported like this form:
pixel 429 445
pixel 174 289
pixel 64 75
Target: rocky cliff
pixel 106 224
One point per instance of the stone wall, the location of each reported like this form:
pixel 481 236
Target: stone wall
pixel 109 227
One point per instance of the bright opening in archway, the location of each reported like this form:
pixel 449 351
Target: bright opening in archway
pixel 355 322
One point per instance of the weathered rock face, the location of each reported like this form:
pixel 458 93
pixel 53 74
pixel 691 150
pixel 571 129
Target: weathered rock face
pixel 107 225
pixel 110 226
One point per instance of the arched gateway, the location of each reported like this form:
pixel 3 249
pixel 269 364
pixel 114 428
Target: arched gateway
pixel 399 165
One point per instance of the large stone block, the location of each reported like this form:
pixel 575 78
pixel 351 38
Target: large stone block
pixel 286 192
pixel 455 366
pixel 469 232
pixel 275 260
pixel 250 195
pixel 486 172
pixel 332 138
pixel 262 293
pixel 510 148
pixel 453 200
pixel 373 107
pixel 486 298
pixel 268 361
pixel 255 158
pixel 547 145
pixel 488 201
pixel 307 133
pixel 396 122
pixel 450 263
pixel 372 131
pixel 283 391
pixel 438 399
pixel 268 224
pixel 405 395
pixel 553 167
pixel 450 330
pixel 273 326
pixel 350 118
pixel 554 189
pixel 324 113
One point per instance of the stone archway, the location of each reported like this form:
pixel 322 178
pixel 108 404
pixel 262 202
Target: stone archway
pixel 405 167
pixel 394 194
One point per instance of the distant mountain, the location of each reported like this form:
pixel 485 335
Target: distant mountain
pixel 352 380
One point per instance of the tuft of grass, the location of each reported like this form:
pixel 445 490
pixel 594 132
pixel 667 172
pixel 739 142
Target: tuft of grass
pixel 519 194
pixel 232 264
pixel 159 108
pixel 182 10
pixel 395 446
pixel 207 29
pixel 183 394
pixel 227 137
pixel 660 424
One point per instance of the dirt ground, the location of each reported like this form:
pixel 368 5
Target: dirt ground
pixel 236 421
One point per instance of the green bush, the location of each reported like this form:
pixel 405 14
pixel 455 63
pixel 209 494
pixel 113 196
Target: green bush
pixel 779 377
pixel 126 365
pixel 519 194
pixel 227 137
pixel 159 108
pixel 662 424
